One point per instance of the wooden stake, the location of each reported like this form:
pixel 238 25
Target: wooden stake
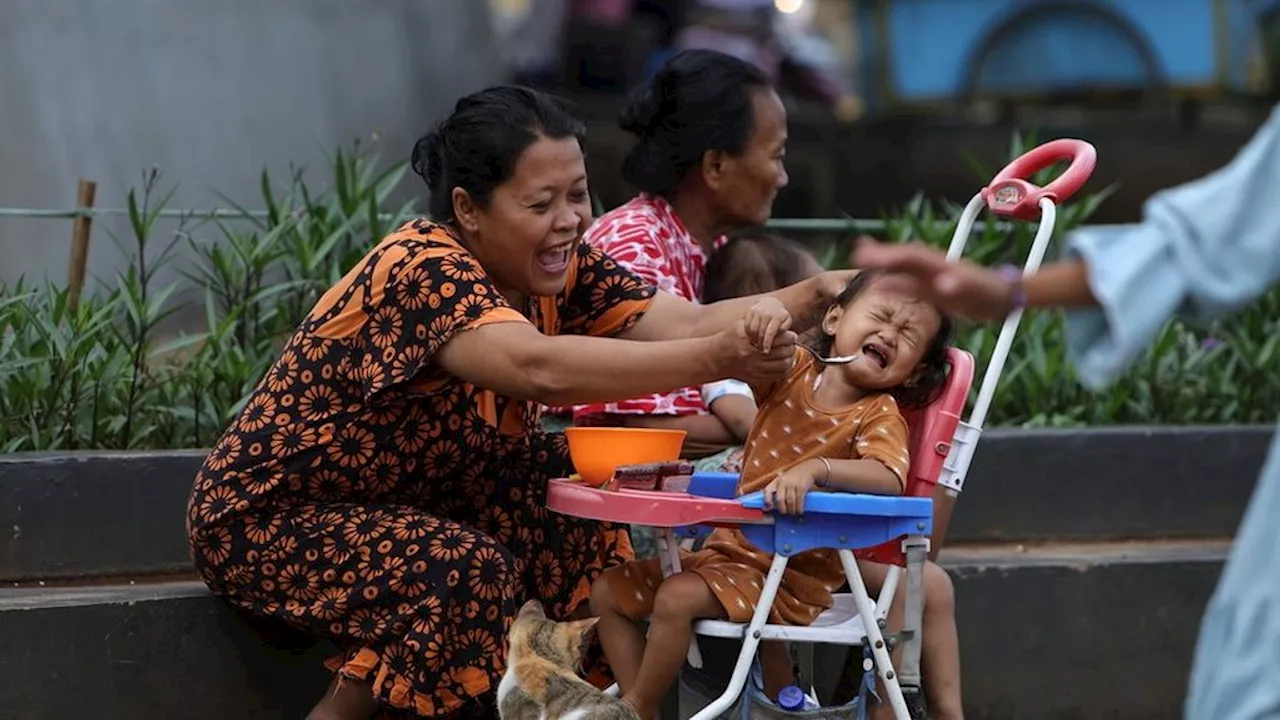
pixel 86 190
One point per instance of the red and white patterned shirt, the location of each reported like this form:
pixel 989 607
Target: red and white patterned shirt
pixel 645 236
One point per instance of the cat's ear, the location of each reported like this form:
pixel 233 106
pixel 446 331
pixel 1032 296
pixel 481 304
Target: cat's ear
pixel 584 628
pixel 532 608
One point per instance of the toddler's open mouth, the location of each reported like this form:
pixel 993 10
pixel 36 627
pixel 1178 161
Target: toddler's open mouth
pixel 877 354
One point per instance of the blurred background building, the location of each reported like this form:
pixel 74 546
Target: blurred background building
pixel 923 55
pixel 889 96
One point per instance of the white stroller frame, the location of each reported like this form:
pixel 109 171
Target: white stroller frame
pixel 844 623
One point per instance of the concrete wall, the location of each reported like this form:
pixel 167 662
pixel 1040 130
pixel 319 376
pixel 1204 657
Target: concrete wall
pixel 210 92
pixel 1079 588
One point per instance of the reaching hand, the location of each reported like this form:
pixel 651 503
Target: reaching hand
pixel 786 492
pixel 962 288
pixel 738 356
pixel 765 320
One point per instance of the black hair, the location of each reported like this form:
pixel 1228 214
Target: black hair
pixel 699 101
pixel 754 262
pixel 929 384
pixel 477 146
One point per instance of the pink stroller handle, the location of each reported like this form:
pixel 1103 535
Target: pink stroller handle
pixel 1011 194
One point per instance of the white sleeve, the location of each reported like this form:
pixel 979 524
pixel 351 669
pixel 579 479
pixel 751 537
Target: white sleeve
pixel 1203 249
pixel 715 390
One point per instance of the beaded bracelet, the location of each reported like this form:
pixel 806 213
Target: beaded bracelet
pixel 1017 293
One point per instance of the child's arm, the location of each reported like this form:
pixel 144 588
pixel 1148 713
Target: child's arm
pixel 733 403
pixel 880 468
pixel 863 475
pixel 855 476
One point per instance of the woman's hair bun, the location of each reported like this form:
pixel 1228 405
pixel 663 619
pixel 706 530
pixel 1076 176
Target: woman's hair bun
pixel 641 112
pixel 427 159
pixel 698 101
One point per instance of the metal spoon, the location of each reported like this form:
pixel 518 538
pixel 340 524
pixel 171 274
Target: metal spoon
pixel 838 360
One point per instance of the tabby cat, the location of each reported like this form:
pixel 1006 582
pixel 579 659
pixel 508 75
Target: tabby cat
pixel 543 661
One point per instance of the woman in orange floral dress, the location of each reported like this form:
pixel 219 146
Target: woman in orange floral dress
pixel 384 487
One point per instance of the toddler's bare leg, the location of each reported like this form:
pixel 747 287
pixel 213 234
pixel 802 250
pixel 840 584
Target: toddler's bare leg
pixel 775 666
pixel 940 650
pixel 681 600
pixel 621 637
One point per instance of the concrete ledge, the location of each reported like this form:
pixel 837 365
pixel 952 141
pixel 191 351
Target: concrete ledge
pixel 94 513
pixel 1051 632
pixel 1059 643
pixel 121 514
pixel 1109 483
pixel 165 651
pixel 966 559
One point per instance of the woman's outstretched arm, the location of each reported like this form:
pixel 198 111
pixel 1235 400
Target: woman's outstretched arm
pixel 516 360
pixel 671 317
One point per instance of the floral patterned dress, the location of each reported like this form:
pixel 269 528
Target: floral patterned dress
pixel 367 496
pixel 647 238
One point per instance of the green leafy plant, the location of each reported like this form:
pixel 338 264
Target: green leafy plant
pixel 102 375
pixel 108 374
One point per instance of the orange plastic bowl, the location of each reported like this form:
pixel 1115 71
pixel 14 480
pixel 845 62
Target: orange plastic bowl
pixel 597 451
